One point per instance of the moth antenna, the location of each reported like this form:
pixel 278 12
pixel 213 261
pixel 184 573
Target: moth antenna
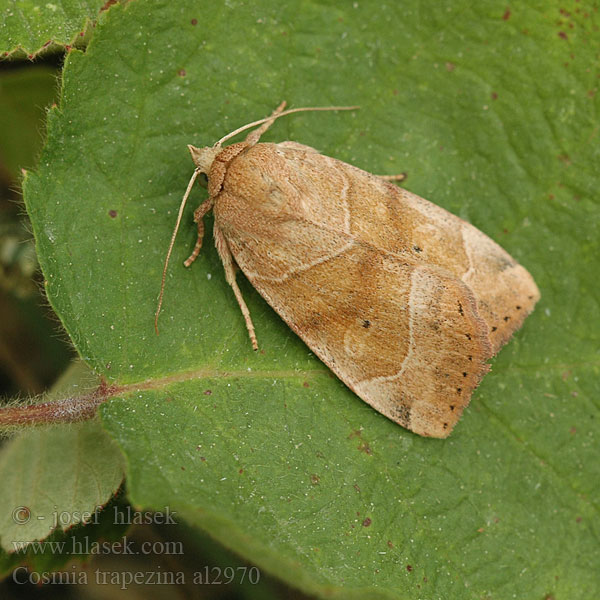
pixel 282 114
pixel 164 274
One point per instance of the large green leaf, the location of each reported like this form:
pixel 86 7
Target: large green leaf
pixel 492 113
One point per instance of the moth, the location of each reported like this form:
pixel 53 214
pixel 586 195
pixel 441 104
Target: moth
pixel 402 300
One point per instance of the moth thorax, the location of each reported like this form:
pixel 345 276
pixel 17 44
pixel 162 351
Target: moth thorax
pixel 203 157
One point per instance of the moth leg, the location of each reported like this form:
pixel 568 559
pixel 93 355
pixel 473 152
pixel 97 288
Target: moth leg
pixel 228 265
pixel 253 137
pixel 399 177
pixel 198 216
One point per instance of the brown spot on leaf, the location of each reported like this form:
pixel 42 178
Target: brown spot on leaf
pixel 364 447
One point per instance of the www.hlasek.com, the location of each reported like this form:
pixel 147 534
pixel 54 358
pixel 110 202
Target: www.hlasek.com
pixel 85 546
pixel 124 579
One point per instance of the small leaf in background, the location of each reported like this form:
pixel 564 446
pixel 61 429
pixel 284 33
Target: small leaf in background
pixel 52 477
pixel 73 547
pixel 33 26
pixel 492 113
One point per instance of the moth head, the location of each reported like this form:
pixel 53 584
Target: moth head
pixel 203 157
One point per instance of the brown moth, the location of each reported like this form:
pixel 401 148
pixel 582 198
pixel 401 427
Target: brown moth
pixel 402 300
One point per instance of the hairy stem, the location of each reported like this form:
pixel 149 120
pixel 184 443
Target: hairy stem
pixel 67 410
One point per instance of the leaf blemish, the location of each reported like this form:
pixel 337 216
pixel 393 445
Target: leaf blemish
pixel 364 447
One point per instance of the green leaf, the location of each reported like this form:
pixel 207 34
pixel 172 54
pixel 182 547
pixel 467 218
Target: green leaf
pixel 61 548
pixel 56 477
pixel 492 114
pixel 31 25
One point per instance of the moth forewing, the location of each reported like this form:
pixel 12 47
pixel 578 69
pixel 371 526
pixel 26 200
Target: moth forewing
pixel 404 301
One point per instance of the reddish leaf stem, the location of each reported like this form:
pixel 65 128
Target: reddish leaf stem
pixel 67 410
